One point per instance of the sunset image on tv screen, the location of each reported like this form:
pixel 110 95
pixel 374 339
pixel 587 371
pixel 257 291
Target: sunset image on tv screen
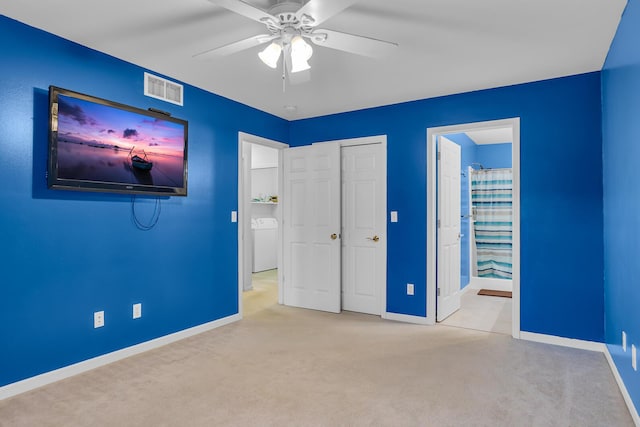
pixel 101 143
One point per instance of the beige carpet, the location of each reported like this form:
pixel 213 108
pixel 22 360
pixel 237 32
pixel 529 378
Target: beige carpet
pixel 282 366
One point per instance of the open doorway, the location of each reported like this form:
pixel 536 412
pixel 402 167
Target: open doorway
pixel 462 240
pixel 259 219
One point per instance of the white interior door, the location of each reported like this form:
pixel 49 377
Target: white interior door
pixel 311 225
pixel 448 255
pixel 363 227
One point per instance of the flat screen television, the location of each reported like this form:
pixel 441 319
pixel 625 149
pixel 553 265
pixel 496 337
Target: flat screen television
pixel 100 145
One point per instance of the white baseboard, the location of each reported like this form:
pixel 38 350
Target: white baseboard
pixel 96 362
pixel 564 342
pixel 407 318
pixel 623 388
pixel 491 283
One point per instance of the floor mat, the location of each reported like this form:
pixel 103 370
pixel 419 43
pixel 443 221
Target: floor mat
pixel 492 293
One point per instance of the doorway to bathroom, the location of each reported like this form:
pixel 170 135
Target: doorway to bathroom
pixel 473 234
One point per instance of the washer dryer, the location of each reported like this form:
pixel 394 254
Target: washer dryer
pixel 265 244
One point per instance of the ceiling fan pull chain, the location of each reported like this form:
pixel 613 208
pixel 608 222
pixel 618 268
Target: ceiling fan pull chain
pixel 284 72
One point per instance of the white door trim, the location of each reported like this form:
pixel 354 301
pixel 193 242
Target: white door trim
pixel 432 133
pixel 366 140
pixel 243 203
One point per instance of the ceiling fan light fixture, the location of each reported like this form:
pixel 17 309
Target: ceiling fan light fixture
pixel 301 52
pixel 271 54
pixel 300 66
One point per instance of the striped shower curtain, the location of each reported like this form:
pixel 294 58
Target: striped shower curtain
pixel 491 191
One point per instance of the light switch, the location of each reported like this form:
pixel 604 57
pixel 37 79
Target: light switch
pixel 394 216
pixel 234 216
pixel 98 319
pixel 137 310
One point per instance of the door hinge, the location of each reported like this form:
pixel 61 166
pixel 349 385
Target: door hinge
pixel 438 223
pixel 439 155
pixel 438 293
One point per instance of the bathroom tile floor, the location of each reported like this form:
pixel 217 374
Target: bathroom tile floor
pixel 482 313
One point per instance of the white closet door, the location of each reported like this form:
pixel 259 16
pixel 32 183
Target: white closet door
pixel 311 225
pixel 364 228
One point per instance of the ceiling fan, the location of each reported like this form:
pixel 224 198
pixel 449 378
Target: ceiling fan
pixel 289 23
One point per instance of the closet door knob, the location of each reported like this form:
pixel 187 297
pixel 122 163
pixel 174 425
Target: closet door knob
pixel 374 238
pixel 334 236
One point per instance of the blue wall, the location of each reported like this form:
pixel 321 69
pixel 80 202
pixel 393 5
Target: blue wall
pixel 65 254
pixel 621 152
pixel 561 204
pixel 494 156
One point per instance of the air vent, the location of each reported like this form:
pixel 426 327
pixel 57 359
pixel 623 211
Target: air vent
pixel 157 87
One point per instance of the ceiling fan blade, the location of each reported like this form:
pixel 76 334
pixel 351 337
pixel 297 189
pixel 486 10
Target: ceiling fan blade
pixel 321 10
pixel 235 46
pixel 351 43
pixel 245 9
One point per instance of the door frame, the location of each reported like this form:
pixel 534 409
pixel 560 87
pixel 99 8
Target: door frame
pixel 432 134
pixel 243 208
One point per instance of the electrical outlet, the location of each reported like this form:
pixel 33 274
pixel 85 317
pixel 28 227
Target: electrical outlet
pixel 634 362
pixel 137 310
pixel 624 341
pixel 394 216
pixel 98 319
pixel 234 216
pixel 409 288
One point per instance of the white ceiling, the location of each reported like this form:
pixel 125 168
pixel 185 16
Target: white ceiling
pixel 492 136
pixel 445 46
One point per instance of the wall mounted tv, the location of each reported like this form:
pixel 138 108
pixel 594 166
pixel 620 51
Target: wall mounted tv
pixel 99 145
